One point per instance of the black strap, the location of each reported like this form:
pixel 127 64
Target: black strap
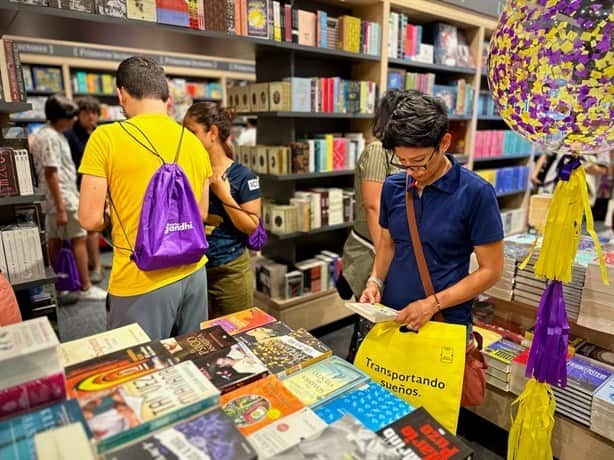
pixel 121 225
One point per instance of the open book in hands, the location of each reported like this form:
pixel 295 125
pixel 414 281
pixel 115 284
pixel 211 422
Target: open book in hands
pixel 376 313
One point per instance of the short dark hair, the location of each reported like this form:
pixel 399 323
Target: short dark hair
pixel 418 120
pixel 384 109
pixel 88 104
pixel 142 78
pixel 59 107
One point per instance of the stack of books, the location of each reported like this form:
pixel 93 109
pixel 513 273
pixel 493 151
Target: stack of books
pixel 595 353
pixel 602 412
pixel 323 153
pixel 448 45
pixel 12 85
pixel 507 180
pixel 316 94
pixel 584 377
pixel 504 287
pixel 514 220
pixel 518 370
pixel 21 253
pixel 34 375
pixel 596 308
pixel 182 397
pixel 500 144
pixel 16 172
pixel 401 79
pixel 486 105
pixel 499 357
pixel 93 83
pixel 309 276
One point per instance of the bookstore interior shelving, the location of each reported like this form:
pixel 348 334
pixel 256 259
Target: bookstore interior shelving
pixel 275 61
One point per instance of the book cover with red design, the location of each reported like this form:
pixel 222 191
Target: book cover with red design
pixel 241 321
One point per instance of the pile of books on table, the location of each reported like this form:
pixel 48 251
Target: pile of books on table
pixel 602 412
pixel 499 356
pixel 244 387
pixel 596 307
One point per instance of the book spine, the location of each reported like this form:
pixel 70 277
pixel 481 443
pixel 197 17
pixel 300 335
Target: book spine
pixel 295 35
pixel 10 64
pixel 19 72
pixel 8 173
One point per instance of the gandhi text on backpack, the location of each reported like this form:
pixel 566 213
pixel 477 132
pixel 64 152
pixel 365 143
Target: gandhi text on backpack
pixel 171 232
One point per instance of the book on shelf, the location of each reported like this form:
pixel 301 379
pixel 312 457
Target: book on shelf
pixel 144 10
pixel 211 435
pixel 242 321
pixel 418 435
pixel 259 404
pixel 116 8
pixel 11 73
pixel 499 355
pixel 324 380
pixel 376 313
pixel 85 6
pixel 284 351
pixel 345 438
pixel 93 346
pixel 51 444
pixel 47 79
pixel 173 12
pixel 146 404
pixel 370 403
pixel 17 434
pixel 21 254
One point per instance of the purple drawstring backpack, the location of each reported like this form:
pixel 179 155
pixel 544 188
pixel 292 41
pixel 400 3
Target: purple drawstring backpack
pixel 65 267
pixel 171 232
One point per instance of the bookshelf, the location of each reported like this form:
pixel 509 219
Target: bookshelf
pixel 8 217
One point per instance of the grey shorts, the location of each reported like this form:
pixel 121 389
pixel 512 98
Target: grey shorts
pixel 172 310
pixel 70 231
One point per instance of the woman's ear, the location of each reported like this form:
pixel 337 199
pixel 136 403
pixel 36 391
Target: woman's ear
pixel 215 133
pixel 445 143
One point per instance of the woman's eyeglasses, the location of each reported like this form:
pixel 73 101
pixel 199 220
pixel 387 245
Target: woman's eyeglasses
pixel 410 167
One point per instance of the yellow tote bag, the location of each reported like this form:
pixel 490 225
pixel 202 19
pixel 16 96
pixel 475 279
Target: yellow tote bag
pixel 424 368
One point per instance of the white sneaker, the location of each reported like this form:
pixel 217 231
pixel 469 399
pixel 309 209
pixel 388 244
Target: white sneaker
pixel 94 293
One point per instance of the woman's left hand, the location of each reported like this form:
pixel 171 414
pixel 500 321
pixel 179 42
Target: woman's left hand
pixel 417 313
pixel 220 185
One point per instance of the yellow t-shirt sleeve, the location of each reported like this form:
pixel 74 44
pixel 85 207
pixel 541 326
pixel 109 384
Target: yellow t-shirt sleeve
pixel 207 163
pixel 96 154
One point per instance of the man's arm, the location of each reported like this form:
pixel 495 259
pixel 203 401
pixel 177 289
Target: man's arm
pixel 490 262
pixel 91 203
pixel 53 184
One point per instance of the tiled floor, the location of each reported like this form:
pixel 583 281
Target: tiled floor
pixel 89 317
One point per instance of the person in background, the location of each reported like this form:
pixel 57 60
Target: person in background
pixel 77 136
pixel 457 214
pixel 359 251
pixel 167 302
pixel 248 135
pixel 58 179
pixel 234 212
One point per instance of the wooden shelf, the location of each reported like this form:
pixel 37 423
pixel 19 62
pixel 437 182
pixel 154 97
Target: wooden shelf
pixel 516 192
pixel 570 440
pixel 298 177
pixel 49 278
pixel 20 200
pixel 77 94
pixel 501 158
pixel 222 38
pixel 432 67
pixel 315 231
pixel 14 107
pixel 349 116
pixel 490 118
pixel 309 311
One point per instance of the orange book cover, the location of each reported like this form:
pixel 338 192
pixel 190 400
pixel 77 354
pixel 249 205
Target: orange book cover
pixel 259 404
pixel 241 321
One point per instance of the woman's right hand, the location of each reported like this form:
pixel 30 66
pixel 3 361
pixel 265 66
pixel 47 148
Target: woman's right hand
pixel 371 294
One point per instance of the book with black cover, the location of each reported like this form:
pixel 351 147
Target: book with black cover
pixel 419 435
pixel 195 346
pixel 8 173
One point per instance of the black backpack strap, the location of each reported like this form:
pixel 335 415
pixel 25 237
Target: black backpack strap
pixel 179 145
pixel 151 147
pixel 121 225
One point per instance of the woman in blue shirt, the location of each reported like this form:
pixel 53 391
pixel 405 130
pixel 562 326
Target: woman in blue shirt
pixel 234 211
pixel 456 211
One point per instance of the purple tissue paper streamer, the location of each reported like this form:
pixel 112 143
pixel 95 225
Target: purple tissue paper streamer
pixel 548 354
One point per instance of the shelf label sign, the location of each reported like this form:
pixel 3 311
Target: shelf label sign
pixel 100 54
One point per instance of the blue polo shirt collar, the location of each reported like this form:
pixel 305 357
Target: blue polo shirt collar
pixel 449 182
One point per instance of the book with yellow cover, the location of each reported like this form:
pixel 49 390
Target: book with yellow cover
pixel 241 321
pixel 259 404
pixel 77 351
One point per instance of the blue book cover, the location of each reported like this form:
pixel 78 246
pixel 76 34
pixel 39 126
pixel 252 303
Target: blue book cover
pixel 370 403
pixel 323 29
pixel 212 435
pixel 301 94
pixel 586 376
pixel 17 434
pixel 605 392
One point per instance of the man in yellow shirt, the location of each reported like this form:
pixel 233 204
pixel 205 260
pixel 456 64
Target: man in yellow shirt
pixel 164 302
